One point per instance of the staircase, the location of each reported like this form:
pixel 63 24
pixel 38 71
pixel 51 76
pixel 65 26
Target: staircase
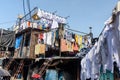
pixel 19 70
pixel 44 67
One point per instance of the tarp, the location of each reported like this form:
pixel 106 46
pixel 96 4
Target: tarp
pixel 18 41
pixel 7 38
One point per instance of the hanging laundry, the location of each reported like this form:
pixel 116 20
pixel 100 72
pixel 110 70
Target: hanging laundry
pixel 116 38
pixel 75 46
pixel 46 25
pixel 83 52
pixel 105 51
pixel 57 34
pixel 49 38
pixel 40 36
pixel 73 35
pixel 43 27
pixel 76 38
pixel 80 42
pixel 68 35
pixel 42 49
pixel 89 40
pixel 83 69
pixel 69 46
pixel 109 38
pixel 89 67
pixel 105 76
pixel 53 37
pixel 39 26
pixel 39 49
pixel 45 38
pixel 49 25
pixel 54 24
pixel 34 25
pixel 57 42
pixel 23 25
pixel 63 45
pixel 85 41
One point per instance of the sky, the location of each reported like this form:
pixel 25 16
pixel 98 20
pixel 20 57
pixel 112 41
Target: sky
pixel 83 13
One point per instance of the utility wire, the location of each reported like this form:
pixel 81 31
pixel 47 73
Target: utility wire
pixel 7 22
pixel 74 30
pixel 28 4
pixel 24 8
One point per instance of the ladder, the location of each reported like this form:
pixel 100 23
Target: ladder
pixel 44 66
pixel 19 70
pixel 9 63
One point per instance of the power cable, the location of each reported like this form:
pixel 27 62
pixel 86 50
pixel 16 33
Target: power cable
pixel 24 8
pixel 28 4
pixel 7 22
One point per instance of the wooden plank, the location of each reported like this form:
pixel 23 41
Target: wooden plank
pixel 32 46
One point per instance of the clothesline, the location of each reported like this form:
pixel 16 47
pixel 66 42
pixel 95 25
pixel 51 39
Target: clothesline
pixel 76 31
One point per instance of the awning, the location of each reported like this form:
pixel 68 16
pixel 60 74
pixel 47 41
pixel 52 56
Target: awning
pixel 7 38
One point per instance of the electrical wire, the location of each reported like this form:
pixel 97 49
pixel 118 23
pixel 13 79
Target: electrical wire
pixel 7 22
pixel 24 8
pixel 28 4
pixel 75 30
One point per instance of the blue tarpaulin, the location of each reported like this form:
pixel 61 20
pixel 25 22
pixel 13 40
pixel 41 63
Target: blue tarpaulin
pixel 18 41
